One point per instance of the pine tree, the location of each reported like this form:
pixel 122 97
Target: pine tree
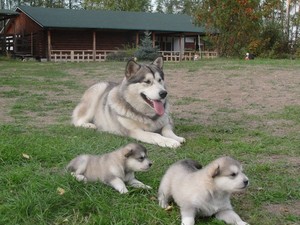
pixel 146 51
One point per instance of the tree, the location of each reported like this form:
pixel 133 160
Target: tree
pixel 146 51
pixel 176 6
pixel 236 21
pixel 118 5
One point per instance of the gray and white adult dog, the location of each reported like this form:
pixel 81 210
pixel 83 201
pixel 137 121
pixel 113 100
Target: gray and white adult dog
pixel 203 191
pixel 137 107
pixel 115 168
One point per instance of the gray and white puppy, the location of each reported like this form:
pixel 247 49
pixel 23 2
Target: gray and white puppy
pixel 115 168
pixel 203 191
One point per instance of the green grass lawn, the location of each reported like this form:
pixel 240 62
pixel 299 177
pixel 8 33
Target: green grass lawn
pixel 37 141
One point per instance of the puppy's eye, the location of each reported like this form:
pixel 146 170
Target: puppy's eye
pixel 141 158
pixel 147 81
pixel 233 174
pixel 159 80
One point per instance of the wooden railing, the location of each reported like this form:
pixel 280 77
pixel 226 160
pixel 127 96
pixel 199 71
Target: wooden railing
pixel 175 56
pixel 101 55
pixel 79 55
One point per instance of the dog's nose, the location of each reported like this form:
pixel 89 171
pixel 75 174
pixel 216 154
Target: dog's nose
pixel 246 182
pixel 163 94
pixel 150 164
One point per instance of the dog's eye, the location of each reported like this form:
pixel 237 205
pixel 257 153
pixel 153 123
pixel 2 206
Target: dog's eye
pixel 141 158
pixel 233 174
pixel 147 81
pixel 159 80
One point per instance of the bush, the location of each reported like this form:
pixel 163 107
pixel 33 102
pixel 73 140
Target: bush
pixel 122 54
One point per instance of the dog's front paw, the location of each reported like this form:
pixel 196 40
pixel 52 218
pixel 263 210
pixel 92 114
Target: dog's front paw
pixel 89 125
pixel 181 139
pixel 170 143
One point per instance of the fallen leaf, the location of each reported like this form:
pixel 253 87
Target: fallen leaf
pixel 60 191
pixel 25 156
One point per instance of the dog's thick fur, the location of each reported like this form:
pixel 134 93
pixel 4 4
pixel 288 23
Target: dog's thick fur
pixel 137 107
pixel 204 191
pixel 115 168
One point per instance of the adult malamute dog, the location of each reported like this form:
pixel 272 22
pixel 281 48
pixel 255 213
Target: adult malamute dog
pixel 205 191
pixel 137 107
pixel 115 168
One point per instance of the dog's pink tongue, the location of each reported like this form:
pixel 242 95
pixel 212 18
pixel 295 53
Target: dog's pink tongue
pixel 159 107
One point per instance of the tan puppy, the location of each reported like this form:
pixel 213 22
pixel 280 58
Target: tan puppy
pixel 115 168
pixel 205 191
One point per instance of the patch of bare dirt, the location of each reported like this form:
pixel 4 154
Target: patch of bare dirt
pixel 289 160
pixel 281 209
pixel 4 112
pixel 252 92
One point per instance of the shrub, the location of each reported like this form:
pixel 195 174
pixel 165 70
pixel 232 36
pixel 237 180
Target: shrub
pixel 122 54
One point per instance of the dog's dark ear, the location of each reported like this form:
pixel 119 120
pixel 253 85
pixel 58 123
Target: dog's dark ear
pixel 159 62
pixel 128 152
pixel 131 68
pixel 215 171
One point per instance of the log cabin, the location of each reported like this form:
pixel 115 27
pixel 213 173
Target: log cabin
pixel 57 34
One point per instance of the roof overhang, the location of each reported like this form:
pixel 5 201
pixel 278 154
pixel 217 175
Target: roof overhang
pixel 7 14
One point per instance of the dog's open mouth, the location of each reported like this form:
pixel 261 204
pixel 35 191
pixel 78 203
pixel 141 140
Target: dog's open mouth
pixel 157 105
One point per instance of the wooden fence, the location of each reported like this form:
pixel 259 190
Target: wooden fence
pixel 175 56
pixel 79 55
pixel 101 55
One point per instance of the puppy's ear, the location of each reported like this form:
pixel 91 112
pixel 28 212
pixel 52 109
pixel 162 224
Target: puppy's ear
pixel 131 68
pixel 128 152
pixel 214 170
pixel 159 62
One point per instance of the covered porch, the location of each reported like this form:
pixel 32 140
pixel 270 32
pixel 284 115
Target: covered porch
pixel 173 47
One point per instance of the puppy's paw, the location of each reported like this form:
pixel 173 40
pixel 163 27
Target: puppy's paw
pixel 147 187
pixel 80 178
pixel 123 191
pixel 162 202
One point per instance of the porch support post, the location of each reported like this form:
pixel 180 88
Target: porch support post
pixel 94 46
pixel 49 45
pixel 137 39
pixel 199 46
pixel 181 47
pixel 153 39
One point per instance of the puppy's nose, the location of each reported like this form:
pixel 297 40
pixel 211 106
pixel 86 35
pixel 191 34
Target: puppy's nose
pixel 150 164
pixel 163 94
pixel 246 182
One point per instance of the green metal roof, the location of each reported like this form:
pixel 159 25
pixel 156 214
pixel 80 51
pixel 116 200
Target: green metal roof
pixel 117 20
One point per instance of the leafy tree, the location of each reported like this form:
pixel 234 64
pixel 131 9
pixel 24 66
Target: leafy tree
pixel 146 51
pixel 237 21
pixel 118 5
pixel 176 6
